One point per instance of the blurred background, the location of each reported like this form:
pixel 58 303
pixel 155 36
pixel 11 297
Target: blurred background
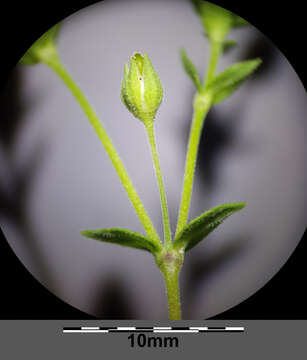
pixel 56 178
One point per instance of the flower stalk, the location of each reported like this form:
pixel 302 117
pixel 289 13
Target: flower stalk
pixel 215 53
pixel 202 105
pixel 165 216
pixel 55 64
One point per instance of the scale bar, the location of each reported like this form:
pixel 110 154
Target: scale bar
pixel 90 328
pixel 85 331
pixel 175 331
pixel 155 329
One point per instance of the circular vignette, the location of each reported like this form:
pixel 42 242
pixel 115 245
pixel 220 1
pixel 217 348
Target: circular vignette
pixel 250 151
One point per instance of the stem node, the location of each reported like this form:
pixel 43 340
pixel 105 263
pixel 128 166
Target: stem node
pixel 170 262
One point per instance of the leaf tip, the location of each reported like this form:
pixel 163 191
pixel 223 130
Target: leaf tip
pixel 256 63
pixel 183 55
pixel 238 206
pixel 86 233
pixel 241 205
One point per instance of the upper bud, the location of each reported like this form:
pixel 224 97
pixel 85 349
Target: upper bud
pixel 44 49
pixel 141 88
pixel 216 20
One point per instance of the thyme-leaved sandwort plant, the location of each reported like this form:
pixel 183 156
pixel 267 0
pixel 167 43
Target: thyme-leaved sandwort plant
pixel 142 93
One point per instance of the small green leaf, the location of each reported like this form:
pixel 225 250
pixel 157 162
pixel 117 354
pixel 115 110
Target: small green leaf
pixel 43 49
pixel 225 93
pixel 224 84
pixel 123 237
pixel 190 69
pixel 203 225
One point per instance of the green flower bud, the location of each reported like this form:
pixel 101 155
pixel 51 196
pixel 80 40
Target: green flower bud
pixel 141 88
pixel 44 49
pixel 216 20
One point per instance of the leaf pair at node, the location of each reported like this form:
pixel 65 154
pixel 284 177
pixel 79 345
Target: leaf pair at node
pixel 225 83
pixel 190 236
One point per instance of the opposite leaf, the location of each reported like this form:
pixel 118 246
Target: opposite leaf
pixel 190 69
pixel 123 237
pixel 224 84
pixel 203 225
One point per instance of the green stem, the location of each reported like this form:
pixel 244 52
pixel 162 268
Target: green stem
pixel 201 107
pixel 58 68
pixel 173 294
pixel 152 141
pixel 215 52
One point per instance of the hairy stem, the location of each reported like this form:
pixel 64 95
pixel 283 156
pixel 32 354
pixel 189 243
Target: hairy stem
pixel 173 294
pixel 201 107
pixel 215 52
pixel 59 69
pixel 152 141
pixel 170 262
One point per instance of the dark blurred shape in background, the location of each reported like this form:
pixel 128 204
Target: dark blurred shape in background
pixel 14 196
pixel 112 301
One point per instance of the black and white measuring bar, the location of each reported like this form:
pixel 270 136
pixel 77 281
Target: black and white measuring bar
pixel 155 329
